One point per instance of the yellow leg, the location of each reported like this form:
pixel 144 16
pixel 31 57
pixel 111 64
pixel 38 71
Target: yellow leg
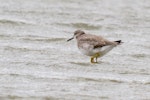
pixel 92 60
pixel 95 56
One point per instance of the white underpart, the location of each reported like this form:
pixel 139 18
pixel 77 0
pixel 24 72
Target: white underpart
pixel 104 50
pixel 89 51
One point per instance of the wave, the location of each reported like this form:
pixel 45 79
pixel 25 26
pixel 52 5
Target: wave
pixel 43 39
pixel 14 22
pixel 140 55
pixel 98 80
pixel 86 26
pixel 10 48
pixel 108 79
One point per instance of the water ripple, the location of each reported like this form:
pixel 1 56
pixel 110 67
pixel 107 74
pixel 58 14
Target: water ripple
pixel 14 22
pixel 43 39
pixel 86 26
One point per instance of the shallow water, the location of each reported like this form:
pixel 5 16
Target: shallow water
pixel 38 64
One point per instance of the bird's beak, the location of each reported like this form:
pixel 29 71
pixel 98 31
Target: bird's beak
pixel 70 39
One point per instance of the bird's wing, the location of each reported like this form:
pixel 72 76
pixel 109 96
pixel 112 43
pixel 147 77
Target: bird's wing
pixel 93 40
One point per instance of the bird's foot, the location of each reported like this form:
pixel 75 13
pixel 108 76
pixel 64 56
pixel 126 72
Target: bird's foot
pixel 95 56
pixel 92 60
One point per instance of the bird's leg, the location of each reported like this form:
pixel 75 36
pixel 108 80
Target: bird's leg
pixel 92 59
pixel 96 60
pixel 95 56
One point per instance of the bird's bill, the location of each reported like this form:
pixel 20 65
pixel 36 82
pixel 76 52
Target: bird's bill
pixel 70 39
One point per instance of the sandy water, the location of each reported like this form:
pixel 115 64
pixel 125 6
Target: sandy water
pixel 36 62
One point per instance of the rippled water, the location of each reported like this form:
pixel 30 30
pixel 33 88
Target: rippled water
pixel 36 62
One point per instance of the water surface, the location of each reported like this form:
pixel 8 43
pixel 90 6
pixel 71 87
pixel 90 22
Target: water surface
pixel 36 62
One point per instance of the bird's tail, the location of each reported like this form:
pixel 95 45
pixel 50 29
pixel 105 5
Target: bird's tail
pixel 118 41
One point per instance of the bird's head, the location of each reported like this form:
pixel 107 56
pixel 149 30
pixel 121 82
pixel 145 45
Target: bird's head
pixel 77 33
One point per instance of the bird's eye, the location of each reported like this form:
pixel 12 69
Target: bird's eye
pixel 75 33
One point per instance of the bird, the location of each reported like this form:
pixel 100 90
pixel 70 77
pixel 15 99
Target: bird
pixel 93 45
